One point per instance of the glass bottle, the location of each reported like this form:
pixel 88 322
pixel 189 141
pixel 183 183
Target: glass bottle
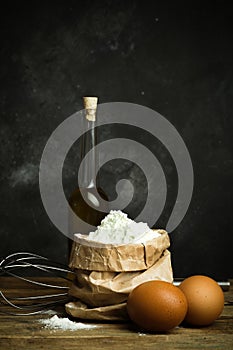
pixel 83 200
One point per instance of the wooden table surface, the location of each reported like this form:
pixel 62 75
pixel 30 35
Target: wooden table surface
pixel 26 332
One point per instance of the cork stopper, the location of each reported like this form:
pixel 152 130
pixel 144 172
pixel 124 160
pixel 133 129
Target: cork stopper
pixel 90 105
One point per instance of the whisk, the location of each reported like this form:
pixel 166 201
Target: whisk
pixel 16 264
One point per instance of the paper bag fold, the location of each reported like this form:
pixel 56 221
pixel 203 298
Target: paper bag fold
pixel 90 255
pixel 106 274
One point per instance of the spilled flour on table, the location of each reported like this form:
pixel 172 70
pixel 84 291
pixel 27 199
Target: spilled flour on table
pixel 65 324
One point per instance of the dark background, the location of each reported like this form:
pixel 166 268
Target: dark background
pixel 174 57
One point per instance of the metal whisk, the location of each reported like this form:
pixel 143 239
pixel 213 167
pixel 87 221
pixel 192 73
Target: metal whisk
pixel 16 264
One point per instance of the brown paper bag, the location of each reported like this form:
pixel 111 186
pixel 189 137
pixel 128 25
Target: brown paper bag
pixel 115 312
pixel 90 255
pixel 102 290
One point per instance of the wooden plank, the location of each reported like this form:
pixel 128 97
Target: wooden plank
pixel 26 332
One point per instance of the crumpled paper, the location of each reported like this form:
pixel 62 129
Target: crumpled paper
pixel 106 274
pixel 90 255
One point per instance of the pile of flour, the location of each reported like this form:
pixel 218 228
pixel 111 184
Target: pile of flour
pixel 65 324
pixel 117 228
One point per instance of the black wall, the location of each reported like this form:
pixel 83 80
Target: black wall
pixel 174 57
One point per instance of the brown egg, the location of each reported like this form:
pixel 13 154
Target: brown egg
pixel 205 300
pixel 157 306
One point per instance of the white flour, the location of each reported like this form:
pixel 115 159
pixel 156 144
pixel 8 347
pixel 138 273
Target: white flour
pixel 65 324
pixel 117 228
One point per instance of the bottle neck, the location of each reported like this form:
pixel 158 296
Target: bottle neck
pixel 87 176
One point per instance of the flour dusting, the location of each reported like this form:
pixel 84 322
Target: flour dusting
pixel 27 174
pixel 65 324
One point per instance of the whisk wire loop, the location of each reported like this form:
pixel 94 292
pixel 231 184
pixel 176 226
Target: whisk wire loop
pixel 14 264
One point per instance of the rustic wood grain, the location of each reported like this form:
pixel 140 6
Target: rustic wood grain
pixel 26 332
